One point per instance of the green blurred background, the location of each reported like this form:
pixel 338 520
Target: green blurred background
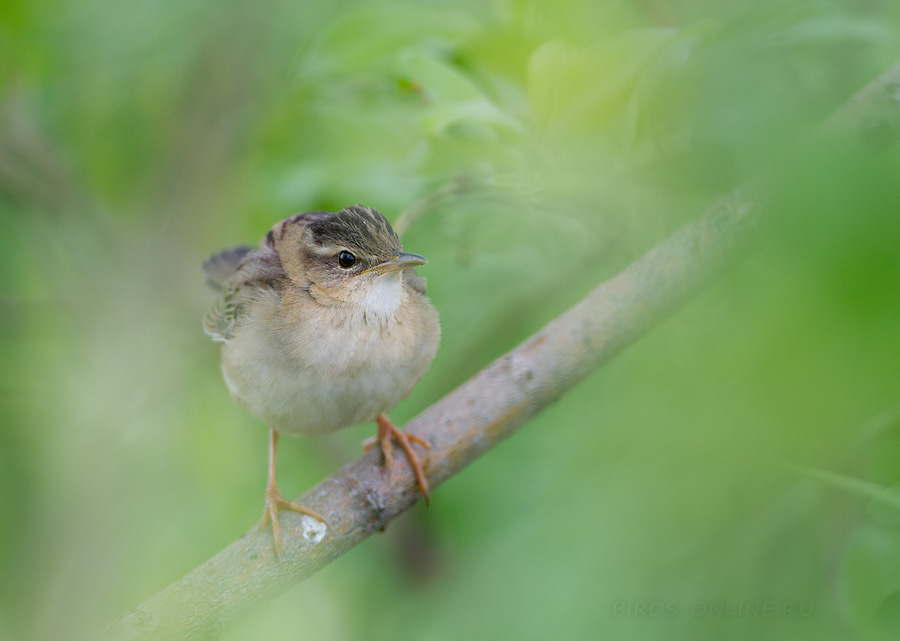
pixel 733 475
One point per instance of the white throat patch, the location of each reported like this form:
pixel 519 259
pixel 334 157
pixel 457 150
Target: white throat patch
pixel 384 295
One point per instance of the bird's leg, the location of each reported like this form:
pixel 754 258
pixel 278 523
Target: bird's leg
pixel 275 501
pixel 386 430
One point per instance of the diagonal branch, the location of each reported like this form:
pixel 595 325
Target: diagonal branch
pixel 360 499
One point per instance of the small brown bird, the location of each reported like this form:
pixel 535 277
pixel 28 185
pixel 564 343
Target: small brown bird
pixel 323 326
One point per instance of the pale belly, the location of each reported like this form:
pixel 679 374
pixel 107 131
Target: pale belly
pixel 318 378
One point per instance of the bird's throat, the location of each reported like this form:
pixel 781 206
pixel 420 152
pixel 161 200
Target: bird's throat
pixel 382 297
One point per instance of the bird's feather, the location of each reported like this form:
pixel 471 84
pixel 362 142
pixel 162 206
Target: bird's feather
pixel 237 274
pixel 221 266
pixel 223 314
pixel 414 280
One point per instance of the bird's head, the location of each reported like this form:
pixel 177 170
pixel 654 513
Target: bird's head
pixel 352 255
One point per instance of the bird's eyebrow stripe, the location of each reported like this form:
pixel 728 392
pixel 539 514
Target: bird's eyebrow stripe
pixel 322 250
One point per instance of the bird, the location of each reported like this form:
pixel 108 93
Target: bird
pixel 323 325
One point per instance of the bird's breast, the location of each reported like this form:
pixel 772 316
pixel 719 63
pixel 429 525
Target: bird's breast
pixel 306 368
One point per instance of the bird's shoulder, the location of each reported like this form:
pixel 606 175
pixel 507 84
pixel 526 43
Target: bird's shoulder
pixel 416 283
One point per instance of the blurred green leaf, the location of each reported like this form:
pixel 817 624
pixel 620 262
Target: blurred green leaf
pixel 871 579
pixel 373 34
pixel 574 88
pixel 454 100
pixel 885 496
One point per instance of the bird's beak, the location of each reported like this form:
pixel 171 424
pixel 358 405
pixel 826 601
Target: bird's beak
pixel 400 260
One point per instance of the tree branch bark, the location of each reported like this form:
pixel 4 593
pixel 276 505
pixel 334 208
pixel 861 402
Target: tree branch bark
pixel 361 498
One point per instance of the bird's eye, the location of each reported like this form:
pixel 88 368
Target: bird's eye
pixel 346 259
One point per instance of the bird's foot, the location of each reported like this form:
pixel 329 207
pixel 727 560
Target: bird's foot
pixel 387 430
pixel 275 502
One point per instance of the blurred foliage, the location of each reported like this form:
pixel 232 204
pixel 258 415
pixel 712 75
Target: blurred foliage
pixel 733 475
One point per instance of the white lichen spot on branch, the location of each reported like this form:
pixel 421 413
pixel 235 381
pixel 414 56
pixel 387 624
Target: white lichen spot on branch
pixel 312 530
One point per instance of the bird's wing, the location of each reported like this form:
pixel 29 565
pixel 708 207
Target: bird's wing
pixel 223 265
pixel 238 274
pixel 223 314
pixel 223 274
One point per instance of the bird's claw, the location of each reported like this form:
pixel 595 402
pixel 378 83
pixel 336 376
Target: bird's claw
pixel 386 431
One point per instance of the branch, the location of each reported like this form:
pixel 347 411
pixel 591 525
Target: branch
pixel 359 499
